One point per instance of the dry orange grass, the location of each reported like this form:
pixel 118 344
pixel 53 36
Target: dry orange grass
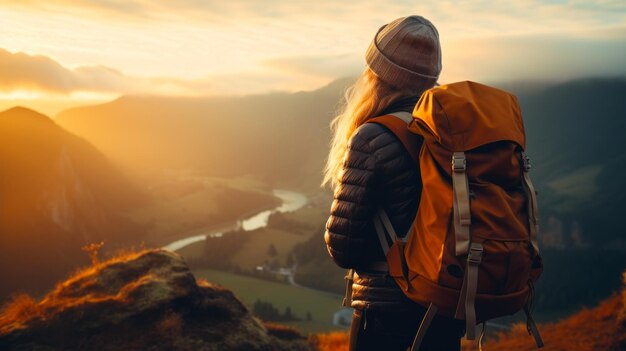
pixel 145 300
pixel 587 330
pixel 282 331
pixel 334 341
pixel 600 328
pixel 22 309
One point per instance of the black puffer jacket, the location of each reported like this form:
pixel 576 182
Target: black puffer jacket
pixel 378 171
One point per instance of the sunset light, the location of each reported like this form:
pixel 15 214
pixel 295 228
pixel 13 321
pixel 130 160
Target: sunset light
pixel 323 175
pixel 243 47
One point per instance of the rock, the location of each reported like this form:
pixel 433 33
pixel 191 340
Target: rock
pixel 141 301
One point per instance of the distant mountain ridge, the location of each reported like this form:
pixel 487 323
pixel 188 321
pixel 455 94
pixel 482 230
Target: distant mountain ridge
pixel 281 137
pixel 574 137
pixel 57 193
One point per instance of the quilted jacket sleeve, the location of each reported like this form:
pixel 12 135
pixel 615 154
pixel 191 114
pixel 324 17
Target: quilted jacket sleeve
pixel 354 201
pixel 377 171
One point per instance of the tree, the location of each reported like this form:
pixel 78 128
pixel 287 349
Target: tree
pixel 288 314
pixel 271 250
pixel 290 260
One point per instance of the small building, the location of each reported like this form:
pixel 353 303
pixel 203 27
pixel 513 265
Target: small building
pixel 343 317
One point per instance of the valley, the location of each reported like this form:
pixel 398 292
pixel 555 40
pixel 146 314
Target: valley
pixel 147 171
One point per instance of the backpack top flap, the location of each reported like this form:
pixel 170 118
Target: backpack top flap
pixel 465 115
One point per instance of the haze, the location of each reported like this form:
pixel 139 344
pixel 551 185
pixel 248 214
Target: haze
pixel 151 124
pixel 57 54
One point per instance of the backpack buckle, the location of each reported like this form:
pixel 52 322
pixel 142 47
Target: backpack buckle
pixel 475 254
pixel 459 163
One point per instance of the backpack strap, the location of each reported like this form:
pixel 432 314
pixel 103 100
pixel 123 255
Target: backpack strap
pixel 466 308
pixel 383 226
pixel 407 117
pixel 461 201
pixel 397 123
pixel 347 299
pixel 382 237
pixel 423 328
pixel 531 195
pixel 463 245
pixel 532 328
pixel 384 218
pixel 530 322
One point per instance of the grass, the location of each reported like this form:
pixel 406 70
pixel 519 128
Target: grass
pixel 321 305
pixel 599 328
pixel 193 250
pixel 576 188
pixel 182 213
pixel 254 251
pixel 22 308
pixel 184 205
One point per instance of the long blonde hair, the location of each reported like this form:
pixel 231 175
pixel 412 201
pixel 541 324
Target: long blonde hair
pixel 367 98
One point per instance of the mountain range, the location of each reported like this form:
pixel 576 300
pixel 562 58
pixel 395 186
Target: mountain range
pixel 57 194
pixel 573 135
pixel 63 184
pixel 279 137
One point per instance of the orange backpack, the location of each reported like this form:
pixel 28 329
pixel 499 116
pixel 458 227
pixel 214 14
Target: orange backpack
pixel 472 249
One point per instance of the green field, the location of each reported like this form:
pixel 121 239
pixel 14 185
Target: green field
pixel 254 251
pixel 183 205
pixel 321 305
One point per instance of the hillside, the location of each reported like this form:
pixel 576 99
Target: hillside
pixel 574 136
pixel 145 300
pixel 150 300
pixel 57 193
pixel 599 328
pixel 574 133
pixel 279 137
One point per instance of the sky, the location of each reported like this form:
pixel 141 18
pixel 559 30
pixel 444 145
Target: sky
pixel 60 53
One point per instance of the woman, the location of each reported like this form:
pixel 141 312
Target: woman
pixel 368 168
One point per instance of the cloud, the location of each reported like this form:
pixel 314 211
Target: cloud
pixel 211 47
pixel 20 71
pixel 37 73
pixel 463 18
pixel 320 66
pixel 23 72
pixel 534 57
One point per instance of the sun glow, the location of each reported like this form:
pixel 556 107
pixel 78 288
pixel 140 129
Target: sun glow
pixel 27 94
pixel 21 95
pixel 92 50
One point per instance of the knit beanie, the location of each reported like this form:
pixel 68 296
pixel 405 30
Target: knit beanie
pixel 406 53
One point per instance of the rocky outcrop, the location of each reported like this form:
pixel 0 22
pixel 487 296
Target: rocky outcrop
pixel 140 301
pixel 57 194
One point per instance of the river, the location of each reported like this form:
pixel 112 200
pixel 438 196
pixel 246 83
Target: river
pixel 291 201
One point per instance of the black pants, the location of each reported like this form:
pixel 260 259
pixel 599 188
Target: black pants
pixel 391 331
